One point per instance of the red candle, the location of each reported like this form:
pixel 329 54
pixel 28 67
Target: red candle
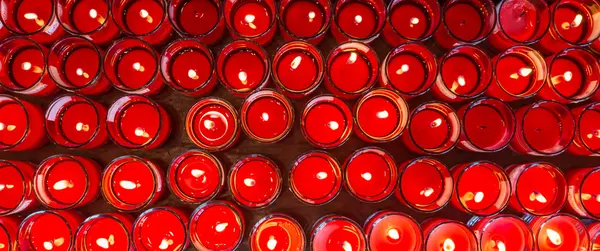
pixel 381 116
pixel 519 72
pixel 161 228
pixel 488 125
pixel 583 198
pixel 255 181
pixel 188 66
pixel 559 232
pixel 35 18
pixel 304 19
pixel 388 230
pixel 544 128
pixel 538 188
pixel 88 18
pixel 434 128
pixel 298 68
pixel 424 184
pixel 370 174
pixel 326 122
pixel 137 122
pixel 217 225
pixel 594 232
pixel 316 178
pixel 146 19
pixel 130 183
pixel 106 231
pixel 267 116
pixel 351 70
pixel 409 69
pixel 212 124
pixel 358 20
pixel 277 232
pixel 253 20
pixel 200 19
pixel 337 233
pixel 469 21
pixel 587 134
pixel 9 227
pixel 196 176
pixel 16 181
pixel 243 67
pixel 519 22
pixel 447 235
pixel 502 232
pixel 412 20
pixel 21 125
pixel 49 230
pixel 482 188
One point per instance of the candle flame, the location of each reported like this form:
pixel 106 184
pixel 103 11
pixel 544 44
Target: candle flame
pixel 311 16
pixel 26 66
pixel 525 71
pixel 106 243
pixel 129 185
pixel 477 197
pixel 250 20
pixel 427 191
pixel 221 227
pixel 535 195
pixel 596 134
pixel 448 245
pixel 193 75
pixel 461 80
pixel 140 132
pixel 33 16
pixel 2 246
pixel 197 173
pixel 80 72
pixel 501 246
pixel 264 116
pixel 404 68
pixel 346 246
pixel 165 243
pixel 138 67
pixel 574 24
pixel 63 184
pixel 333 125
pixel 82 127
pixel 352 58
pixel 367 176
pixel 568 76
pixel 209 124
pixel 554 237
pixel 436 123
pixel 249 182
pixel 393 233
pixel 93 13
pixel 243 76
pixel 272 243
pixel 414 21
pixel 321 175
pixel 296 62
pixel 145 15
pixel 358 19
pixel 382 114
pixel 48 245
pixel 9 128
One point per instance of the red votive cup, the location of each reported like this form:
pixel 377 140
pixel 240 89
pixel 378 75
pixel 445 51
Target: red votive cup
pixel 424 184
pixel 106 231
pixel 255 181
pixel 16 181
pixel 315 178
pixel 465 22
pixel 34 18
pixel 23 67
pixel 132 66
pixel 304 19
pixel 277 232
pixel 389 230
pixel 199 19
pixel 49 230
pixel 482 188
pixel 217 225
pixel 326 122
pixel 594 232
pixel 21 125
pixel 538 188
pixel 352 69
pixel 91 19
pixel 544 128
pixel 298 67
pixel 502 232
pixel 410 69
pixel 434 128
pixel 370 174
pixel 488 125
pixel 251 19
pixel 9 227
pixel 161 228
pixel 380 116
pixel 188 66
pixel 243 66
pixel 411 20
pixel 146 19
pixel 267 116
pixel 334 232
pixel 137 122
pixel 358 20
pixel 584 195
pixel 559 232
pixel 213 124
pixel 465 73
pixel 587 132
pixel 196 176
pixel 131 183
pixel 519 22
pixel 448 235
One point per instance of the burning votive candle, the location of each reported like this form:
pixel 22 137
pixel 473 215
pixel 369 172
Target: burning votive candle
pixel 161 228
pixel 411 20
pixel 277 232
pixel 249 19
pixel 267 116
pixel 316 178
pixel 16 187
pixel 298 68
pixel 352 69
pixel 371 174
pixel 35 18
pixel 189 67
pixel 380 116
pixel 196 176
pixel 304 19
pixel 544 128
pixel 49 230
pixel 488 125
pixel 326 122
pixel 519 22
pixel 199 19
pixel 388 230
pixel 146 19
pixel 217 225
pixel 21 125
pixel 424 184
pixel 410 69
pixel 587 132
pixel 465 22
pixel 334 232
pixel 255 181
pixel 243 66
pixel 434 128
pixel 584 194
pixel 130 183
pixel 212 124
pixel 502 232
pixel 559 232
pixel 9 227
pixel 448 235
pixel 91 19
pixel 107 231
pixel 358 20
pixel 538 188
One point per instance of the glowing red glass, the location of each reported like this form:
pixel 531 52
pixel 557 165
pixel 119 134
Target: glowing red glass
pixel 326 122
pixel 488 125
pixel 217 225
pixel 251 19
pixel 188 66
pixel 146 19
pixel 212 124
pixel 388 230
pixel 304 19
pixel 243 66
pixel 277 232
pixel 199 19
pixel 255 181
pixel 298 68
pixel 538 188
pixel 196 176
pixel 410 69
pixel 434 128
pixel 424 184
pixel 267 116
pixel 21 125
pixel 20 197
pixel 352 69
pixel 519 22
pixel 411 20
pixel 91 19
pixel 315 178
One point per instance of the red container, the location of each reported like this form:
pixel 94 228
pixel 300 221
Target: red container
pixel 249 19
pixel 488 125
pixel 315 178
pixel 277 232
pixel 199 19
pixel 91 19
pixel 196 176
pixel 267 116
pixel 334 232
pixel 352 69
pixel 326 122
pixel 298 68
pixel 370 174
pixel 434 128
pixel 594 232
pixel 446 235
pixel 587 134
pixel 424 184
pixel 380 116
pixel 161 228
pixel 465 22
pixel 17 192
pixel 388 230
pixel 9 227
pixel 21 125
pixel 559 232
pixel 519 22
pixel 583 198
pixel 538 188
pixel 217 225
pixel 304 20
pixel 34 18
pixel 146 19
pixel 213 124
pixel 358 20
pixel 502 232
pixel 410 69
pixel 49 230
pixel 106 231
pixel 255 182
pixel 243 66
pixel 411 20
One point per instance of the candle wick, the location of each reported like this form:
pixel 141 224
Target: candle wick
pixel 522 13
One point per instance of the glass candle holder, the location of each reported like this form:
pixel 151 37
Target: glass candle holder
pixel 217 225
pixel 370 174
pixel 333 232
pixel 34 18
pixel 213 124
pixel 482 188
pixel 538 188
pixel 594 232
pixel 199 19
pixel 502 232
pixel 358 20
pixel 380 116
pixel 137 122
pixel 352 69
pixel 298 67
pixel 255 182
pixel 559 232
pixel 251 19
pixel 196 176
pixel 587 136
pixel 444 234
pixel 411 20
pixel 519 22
pixel 326 122
pixel 544 128
pixel 267 116
pixel 389 230
pixel 277 232
pixel 161 228
pixel 90 19
pixel 131 183
pixel 304 20
pixel 20 197
pixel 188 66
pixel 132 66
pixel 465 22
pixel 243 66
pixel 488 125
pixel 21 125
pixel 67 182
pixel 106 231
pixel 23 67
pixel 434 128
pixel 49 230
pixel 315 178
pixel 583 199
pixel 410 69
pixel 424 184
pixel 9 227
pixel 465 73
pixel 146 19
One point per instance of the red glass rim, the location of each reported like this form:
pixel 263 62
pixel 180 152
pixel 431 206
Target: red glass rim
pixel 115 114
pixel 447 185
pixel 321 222
pixel 569 129
pixel 173 15
pixel 326 24
pixel 291 222
pixel 239 217
pixel 561 194
pixel 84 227
pixel 589 107
pixel 335 166
pixel 304 47
pixel 41 186
pixel 175 186
pixel 267 94
pixel 7 99
pixel 430 30
pixel 339 104
pixel 114 8
pixel 66 22
pixel 201 105
pixel 63 103
pixel 136 230
pixel 478 58
pixel 246 203
pixel 504 109
pixel 5 224
pixel 588 65
pixel 401 108
pixel 24 234
pixel 113 55
pixel 381 215
pixel 177 48
pixel 454 127
pixel 16 29
pixel 379 10
pixel 230 6
pixel 501 202
pixel 241 45
pixel 590 5
pixel 488 21
pixel 27 42
pixel 543 27
pixel 392 179
pixel 424 55
pixel 526 54
pixel 17 208
pixel 362 50
pixel 57 59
